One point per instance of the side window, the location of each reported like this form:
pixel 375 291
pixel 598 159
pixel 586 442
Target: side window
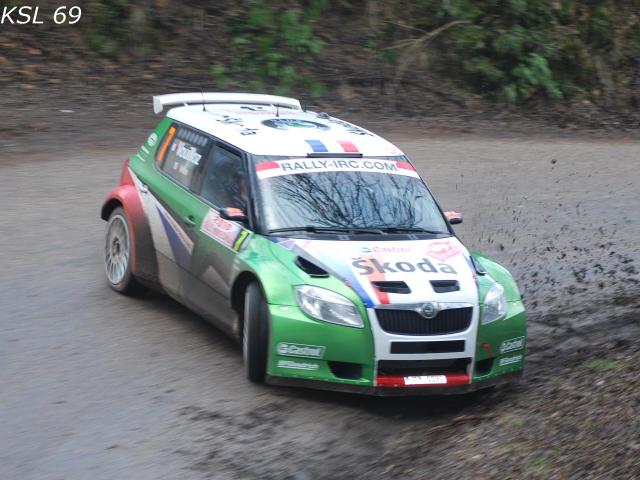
pixel 183 151
pixel 224 182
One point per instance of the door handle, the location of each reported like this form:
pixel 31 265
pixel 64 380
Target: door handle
pixel 190 220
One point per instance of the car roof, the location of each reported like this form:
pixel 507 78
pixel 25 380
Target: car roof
pixel 280 131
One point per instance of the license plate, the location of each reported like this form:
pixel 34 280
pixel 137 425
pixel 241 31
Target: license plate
pixel 426 380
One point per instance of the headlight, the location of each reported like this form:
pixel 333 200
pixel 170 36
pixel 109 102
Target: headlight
pixel 328 306
pixel 495 304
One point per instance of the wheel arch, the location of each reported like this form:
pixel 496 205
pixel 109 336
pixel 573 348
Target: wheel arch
pixel 108 207
pixel 144 266
pixel 238 291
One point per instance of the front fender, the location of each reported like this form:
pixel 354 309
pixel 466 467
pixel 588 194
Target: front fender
pixel 500 346
pixel 500 275
pixel 275 278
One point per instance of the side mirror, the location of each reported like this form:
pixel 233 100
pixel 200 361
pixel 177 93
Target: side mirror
pixel 453 217
pixel 233 214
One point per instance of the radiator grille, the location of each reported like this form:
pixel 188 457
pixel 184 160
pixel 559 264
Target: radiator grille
pixel 409 322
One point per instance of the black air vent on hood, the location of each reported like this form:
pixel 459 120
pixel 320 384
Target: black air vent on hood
pixel 445 286
pixel 309 268
pixel 391 286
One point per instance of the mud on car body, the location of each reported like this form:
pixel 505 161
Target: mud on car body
pixel 313 242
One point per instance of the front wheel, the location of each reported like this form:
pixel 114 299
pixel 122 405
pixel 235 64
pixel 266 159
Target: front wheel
pixel 118 254
pixel 255 335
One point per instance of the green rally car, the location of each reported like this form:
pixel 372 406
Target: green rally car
pixel 316 244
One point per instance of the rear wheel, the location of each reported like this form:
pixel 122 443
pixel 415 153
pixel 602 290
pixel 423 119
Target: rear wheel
pixel 255 335
pixel 118 254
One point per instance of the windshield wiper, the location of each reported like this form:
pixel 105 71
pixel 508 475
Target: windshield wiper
pixel 314 229
pixel 410 230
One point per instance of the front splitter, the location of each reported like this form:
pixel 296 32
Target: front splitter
pixel 395 391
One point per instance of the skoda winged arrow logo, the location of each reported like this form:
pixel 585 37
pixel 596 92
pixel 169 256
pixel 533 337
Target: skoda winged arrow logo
pixel 429 310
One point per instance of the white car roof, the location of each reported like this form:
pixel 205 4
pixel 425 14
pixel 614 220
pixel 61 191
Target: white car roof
pixel 276 130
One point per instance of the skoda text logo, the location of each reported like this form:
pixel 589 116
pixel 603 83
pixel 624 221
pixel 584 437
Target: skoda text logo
pixel 429 310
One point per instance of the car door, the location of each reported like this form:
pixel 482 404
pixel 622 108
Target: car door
pixel 170 203
pixel 222 184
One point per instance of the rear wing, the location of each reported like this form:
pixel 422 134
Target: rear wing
pixel 206 98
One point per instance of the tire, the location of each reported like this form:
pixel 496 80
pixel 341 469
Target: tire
pixel 255 334
pixel 118 253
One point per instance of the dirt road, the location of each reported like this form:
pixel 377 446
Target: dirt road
pixel 96 385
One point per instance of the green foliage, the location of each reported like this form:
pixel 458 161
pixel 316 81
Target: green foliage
pixel 515 50
pixel 106 31
pixel 272 42
pixel 511 51
pixel 505 52
pixel 598 28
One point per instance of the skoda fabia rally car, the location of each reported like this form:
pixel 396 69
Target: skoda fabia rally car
pixel 316 244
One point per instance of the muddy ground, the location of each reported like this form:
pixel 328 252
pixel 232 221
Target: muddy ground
pixel 96 385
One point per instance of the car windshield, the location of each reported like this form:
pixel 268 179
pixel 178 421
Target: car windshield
pixel 357 195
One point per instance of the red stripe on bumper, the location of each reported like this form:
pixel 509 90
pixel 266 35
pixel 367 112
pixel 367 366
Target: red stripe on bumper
pixel 397 381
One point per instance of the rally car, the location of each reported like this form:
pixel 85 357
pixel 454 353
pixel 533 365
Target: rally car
pixel 316 244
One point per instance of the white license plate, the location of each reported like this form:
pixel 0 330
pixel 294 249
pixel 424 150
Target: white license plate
pixel 426 380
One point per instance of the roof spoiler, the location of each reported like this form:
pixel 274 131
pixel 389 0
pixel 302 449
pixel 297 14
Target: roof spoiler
pixel 198 98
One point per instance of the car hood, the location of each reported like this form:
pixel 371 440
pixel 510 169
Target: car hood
pixel 422 265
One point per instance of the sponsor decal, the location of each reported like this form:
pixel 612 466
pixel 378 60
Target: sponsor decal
pixel 512 344
pixel 286 123
pixel 186 152
pixel 509 360
pixel 152 139
pixel 300 350
pixel 442 250
pixel 298 365
pixel 229 120
pixel 350 127
pixel 292 167
pixel 426 380
pixel 237 246
pixel 385 249
pixel 255 110
pixel 220 229
pixel 368 266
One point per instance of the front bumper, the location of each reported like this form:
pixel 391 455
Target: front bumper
pixel 314 354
